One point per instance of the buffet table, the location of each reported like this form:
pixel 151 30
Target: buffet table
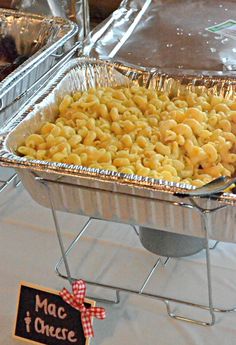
pixel 22 235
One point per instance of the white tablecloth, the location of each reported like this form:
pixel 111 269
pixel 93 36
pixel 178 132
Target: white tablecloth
pixel 111 253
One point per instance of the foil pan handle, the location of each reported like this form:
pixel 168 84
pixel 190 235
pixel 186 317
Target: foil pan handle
pixel 214 187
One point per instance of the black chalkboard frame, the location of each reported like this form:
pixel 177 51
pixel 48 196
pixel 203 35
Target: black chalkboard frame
pixel 44 289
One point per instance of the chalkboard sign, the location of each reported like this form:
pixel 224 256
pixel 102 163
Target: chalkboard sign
pixel 44 318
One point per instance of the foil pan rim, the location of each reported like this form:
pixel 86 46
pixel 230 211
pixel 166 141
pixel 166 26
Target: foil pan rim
pixel 175 72
pixel 78 171
pixel 65 24
pixel 10 159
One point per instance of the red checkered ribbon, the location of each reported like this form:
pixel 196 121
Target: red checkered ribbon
pixel 76 300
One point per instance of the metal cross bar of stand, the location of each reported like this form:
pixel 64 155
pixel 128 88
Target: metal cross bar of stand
pixel 12 179
pixel 165 299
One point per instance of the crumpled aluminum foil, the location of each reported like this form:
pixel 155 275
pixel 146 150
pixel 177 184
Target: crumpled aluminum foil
pixel 167 34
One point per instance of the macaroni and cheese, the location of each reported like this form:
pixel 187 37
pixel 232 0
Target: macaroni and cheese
pixel 134 130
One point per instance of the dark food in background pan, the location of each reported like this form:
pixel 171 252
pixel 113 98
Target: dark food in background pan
pixel 233 190
pixel 100 10
pixel 10 59
pixel 8 51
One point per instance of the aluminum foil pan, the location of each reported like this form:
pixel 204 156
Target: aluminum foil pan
pixel 44 39
pixel 8 113
pixel 75 10
pixel 110 195
pixel 168 34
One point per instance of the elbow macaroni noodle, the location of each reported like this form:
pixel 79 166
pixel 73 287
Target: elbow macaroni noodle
pixel 189 138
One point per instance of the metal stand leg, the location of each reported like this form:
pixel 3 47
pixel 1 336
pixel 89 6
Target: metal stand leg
pixel 209 283
pixel 215 245
pixel 71 246
pixel 6 183
pixel 17 183
pixel 105 300
pixel 208 264
pixel 58 231
pixel 159 261
pixel 135 229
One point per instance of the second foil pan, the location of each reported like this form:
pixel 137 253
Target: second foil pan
pixel 42 40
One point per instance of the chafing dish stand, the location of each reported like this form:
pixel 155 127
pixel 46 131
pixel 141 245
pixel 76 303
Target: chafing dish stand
pixel 167 300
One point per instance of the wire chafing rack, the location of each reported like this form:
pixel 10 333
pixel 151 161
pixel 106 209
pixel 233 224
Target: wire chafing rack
pixel 167 300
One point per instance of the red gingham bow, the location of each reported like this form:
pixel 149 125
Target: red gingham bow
pixel 76 300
